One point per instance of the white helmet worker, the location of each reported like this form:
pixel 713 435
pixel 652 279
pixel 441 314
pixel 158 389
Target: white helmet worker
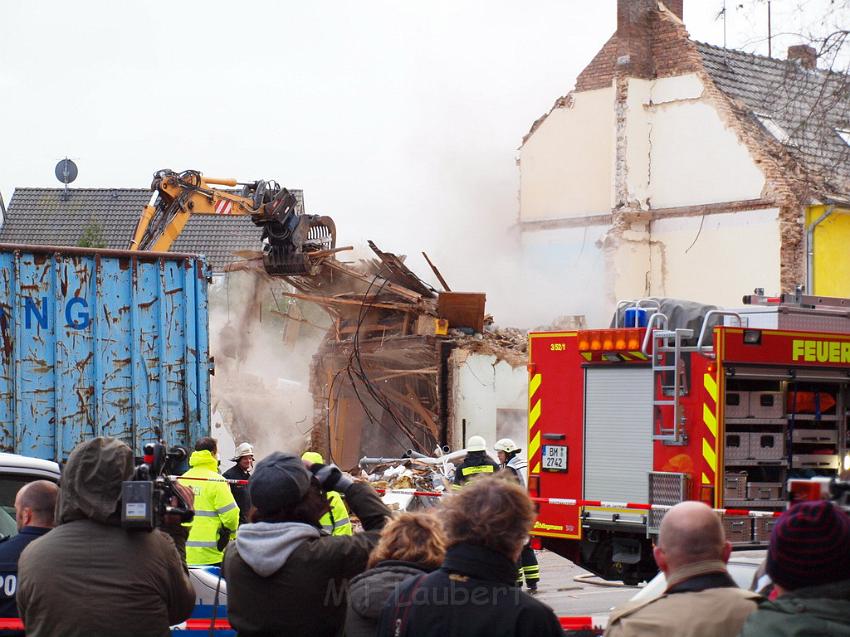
pixel 244 449
pixel 476 443
pixel 507 445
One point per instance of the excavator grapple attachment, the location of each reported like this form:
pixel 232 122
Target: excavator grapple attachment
pixel 290 236
pixel 289 256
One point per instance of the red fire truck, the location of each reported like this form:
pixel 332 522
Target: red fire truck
pixel 722 406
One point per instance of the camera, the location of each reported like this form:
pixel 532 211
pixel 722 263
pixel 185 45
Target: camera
pixel 821 488
pixel 147 497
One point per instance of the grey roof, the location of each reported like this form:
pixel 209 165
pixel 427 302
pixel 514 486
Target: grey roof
pixel 42 216
pixel 809 105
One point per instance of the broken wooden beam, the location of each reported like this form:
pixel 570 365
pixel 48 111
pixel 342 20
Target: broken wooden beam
pixel 437 273
pixel 333 300
pixel 372 280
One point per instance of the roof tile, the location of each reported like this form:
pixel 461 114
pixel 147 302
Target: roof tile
pixel 44 216
pixel 808 104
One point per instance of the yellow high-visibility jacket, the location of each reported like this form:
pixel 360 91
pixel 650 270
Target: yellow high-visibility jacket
pixel 214 508
pixel 337 521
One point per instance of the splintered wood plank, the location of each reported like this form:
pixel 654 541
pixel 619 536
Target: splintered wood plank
pixel 392 287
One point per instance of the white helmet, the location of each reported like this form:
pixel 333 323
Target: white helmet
pixel 244 449
pixel 507 445
pixel 476 443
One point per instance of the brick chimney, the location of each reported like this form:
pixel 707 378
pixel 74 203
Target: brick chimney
pixel 805 55
pixel 634 34
pixel 634 30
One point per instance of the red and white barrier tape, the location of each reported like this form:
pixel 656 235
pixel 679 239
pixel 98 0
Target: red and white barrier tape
pixel 602 504
pixel 224 480
pixel 557 501
pixel 14 623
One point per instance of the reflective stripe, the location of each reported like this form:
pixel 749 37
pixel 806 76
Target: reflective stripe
pixel 328 528
pixel 195 544
pixel 341 522
pixel 206 514
pixel 226 508
pixel 467 471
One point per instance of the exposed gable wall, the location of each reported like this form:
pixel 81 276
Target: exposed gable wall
pixel 681 152
pixel 566 163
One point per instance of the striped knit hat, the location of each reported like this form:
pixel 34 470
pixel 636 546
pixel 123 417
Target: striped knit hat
pixel 809 546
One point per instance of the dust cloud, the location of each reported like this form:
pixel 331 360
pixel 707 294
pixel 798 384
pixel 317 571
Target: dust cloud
pixel 260 391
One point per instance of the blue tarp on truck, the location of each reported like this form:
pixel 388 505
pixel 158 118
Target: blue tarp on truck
pixel 101 343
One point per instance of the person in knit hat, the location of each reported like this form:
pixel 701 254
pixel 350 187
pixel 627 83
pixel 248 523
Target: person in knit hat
pixel 809 563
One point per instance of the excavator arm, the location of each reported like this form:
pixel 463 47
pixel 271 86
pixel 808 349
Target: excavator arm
pixel 288 235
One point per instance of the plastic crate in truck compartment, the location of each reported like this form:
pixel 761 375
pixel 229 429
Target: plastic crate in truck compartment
pixel 767 446
pixel 737 447
pixel 737 404
pixel 767 404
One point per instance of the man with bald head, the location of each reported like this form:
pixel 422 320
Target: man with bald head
pixel 35 505
pixel 700 600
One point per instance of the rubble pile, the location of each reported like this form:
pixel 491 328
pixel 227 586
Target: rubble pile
pixel 507 344
pixel 407 474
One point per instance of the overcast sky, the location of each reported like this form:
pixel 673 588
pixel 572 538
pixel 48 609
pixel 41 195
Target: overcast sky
pixel 400 118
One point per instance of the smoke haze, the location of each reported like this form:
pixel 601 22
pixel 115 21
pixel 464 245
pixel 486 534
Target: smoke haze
pixel 399 119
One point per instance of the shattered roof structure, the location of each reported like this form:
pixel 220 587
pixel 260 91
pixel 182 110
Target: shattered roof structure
pixel 45 216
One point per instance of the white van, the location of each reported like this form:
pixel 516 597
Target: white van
pixel 15 472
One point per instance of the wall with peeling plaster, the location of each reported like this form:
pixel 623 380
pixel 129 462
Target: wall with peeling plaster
pixel 680 151
pixel 733 254
pixel 668 147
pixel 564 272
pixel 481 385
pixel 566 164
pixel 629 265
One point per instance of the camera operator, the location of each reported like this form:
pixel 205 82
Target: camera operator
pixel 89 576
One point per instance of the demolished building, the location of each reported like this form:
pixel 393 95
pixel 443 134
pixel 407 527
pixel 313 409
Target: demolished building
pixel 405 366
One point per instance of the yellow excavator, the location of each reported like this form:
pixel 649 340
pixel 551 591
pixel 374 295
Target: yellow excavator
pixel 288 235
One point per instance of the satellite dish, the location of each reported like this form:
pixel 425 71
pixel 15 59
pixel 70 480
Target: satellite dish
pixel 66 171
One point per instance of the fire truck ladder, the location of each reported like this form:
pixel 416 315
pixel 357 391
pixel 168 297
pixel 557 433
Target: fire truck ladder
pixel 662 368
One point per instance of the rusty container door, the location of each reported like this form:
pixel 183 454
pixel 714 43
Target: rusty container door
pixel 101 343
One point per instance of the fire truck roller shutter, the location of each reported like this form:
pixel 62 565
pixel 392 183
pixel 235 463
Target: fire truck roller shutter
pixel 618 433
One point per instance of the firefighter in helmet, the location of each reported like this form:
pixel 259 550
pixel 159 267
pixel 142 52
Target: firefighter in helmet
pixel 513 463
pixel 244 459
pixel 476 463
